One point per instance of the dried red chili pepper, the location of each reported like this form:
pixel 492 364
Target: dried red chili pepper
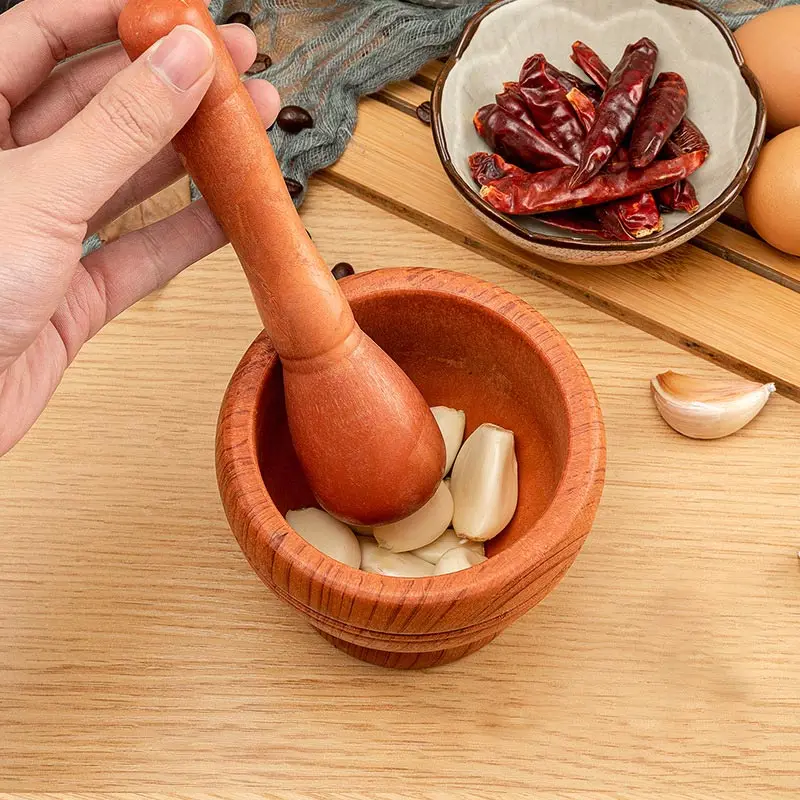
pixel 511 100
pixel 608 219
pixel 579 220
pixel 565 79
pixel 488 167
pixel 631 217
pixel 687 137
pixel 480 118
pixel 638 216
pixel 537 193
pixel 679 196
pixel 569 81
pixel 516 141
pixel 591 63
pixel 682 196
pixel 617 110
pixel 583 107
pixel 548 105
pixel 663 108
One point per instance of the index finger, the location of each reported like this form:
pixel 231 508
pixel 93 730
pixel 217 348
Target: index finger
pixel 37 34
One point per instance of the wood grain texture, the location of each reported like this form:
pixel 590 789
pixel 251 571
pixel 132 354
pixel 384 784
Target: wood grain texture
pixel 365 795
pixel 687 296
pixel 427 76
pixel 466 344
pixel 139 653
pixel 753 254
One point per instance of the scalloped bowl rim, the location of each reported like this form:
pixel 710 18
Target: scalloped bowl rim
pixel 693 223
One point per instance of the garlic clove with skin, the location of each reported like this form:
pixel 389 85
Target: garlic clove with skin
pixel 451 424
pixel 421 527
pixel 457 559
pixel 484 483
pixel 447 541
pixel 327 534
pixel 708 408
pixel 398 565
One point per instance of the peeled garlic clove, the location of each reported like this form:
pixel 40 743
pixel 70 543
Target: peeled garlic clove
pixel 708 408
pixel 447 541
pixel 484 483
pixel 362 530
pixel 383 562
pixel 422 527
pixel 451 423
pixel 327 534
pixel 457 559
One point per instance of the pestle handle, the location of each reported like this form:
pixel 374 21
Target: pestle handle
pixel 368 443
pixel 225 148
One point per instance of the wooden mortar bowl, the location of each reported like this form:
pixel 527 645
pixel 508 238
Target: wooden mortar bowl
pixel 465 344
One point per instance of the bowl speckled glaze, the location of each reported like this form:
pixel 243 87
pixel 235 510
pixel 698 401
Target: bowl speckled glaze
pixel 467 344
pixel 724 100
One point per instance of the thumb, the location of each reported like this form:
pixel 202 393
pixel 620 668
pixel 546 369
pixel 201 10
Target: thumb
pixel 127 123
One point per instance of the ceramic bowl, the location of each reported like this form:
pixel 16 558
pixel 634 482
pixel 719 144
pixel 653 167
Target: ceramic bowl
pixel 724 100
pixel 467 344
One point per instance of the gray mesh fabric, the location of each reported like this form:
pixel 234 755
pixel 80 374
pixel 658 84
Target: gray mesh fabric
pixel 328 53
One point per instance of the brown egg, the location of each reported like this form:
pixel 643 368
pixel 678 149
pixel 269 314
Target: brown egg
pixel 772 195
pixel 771 47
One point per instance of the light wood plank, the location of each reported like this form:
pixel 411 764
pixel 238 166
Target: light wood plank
pixel 429 73
pixel 481 794
pixel 406 92
pixel 753 254
pixel 140 654
pixel 688 296
pixel 371 795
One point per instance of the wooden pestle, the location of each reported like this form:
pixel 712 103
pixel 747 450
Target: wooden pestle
pixel 369 446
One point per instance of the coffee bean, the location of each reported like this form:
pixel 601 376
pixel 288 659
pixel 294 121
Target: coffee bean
pixel 424 112
pixel 242 17
pixel 295 187
pixel 262 62
pixel 294 119
pixel 342 270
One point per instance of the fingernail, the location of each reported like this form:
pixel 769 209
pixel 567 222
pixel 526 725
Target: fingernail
pixel 182 57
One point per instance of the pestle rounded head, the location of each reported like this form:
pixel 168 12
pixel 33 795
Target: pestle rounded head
pixel 368 443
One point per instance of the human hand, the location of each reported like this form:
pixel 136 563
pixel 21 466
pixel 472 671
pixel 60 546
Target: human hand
pixel 80 143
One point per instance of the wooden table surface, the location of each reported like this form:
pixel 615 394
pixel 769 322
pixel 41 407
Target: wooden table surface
pixel 140 654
